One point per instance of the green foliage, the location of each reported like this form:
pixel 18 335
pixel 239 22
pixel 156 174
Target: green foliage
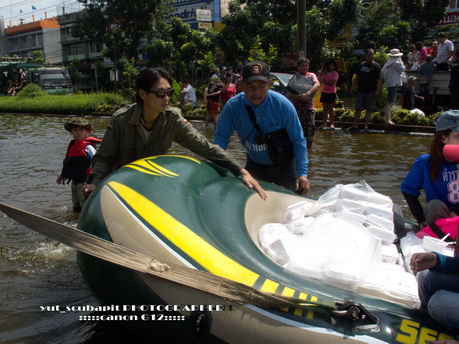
pixel 176 96
pixel 122 34
pixel 399 116
pixel 72 68
pixel 76 104
pixel 182 47
pixel 339 14
pixel 129 76
pixel 381 100
pixel 405 117
pixel 315 37
pixel 397 27
pixel 191 111
pixel 38 57
pixel 270 22
pixel 31 91
pixel 103 108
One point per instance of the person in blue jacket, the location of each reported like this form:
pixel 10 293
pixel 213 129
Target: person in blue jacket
pixel 435 175
pixel 272 111
pixel 438 287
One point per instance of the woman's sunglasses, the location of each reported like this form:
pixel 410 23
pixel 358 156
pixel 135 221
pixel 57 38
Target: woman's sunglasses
pixel 162 94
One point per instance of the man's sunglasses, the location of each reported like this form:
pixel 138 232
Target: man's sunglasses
pixel 162 94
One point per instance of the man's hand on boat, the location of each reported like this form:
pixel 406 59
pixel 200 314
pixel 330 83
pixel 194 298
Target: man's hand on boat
pixel 88 188
pixel 302 186
pixel 252 183
pixel 423 261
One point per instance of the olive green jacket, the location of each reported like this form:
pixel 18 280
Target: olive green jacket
pixel 122 142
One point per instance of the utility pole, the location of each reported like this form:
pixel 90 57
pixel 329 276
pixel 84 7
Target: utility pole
pixel 301 20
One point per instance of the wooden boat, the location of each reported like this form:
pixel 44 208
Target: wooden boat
pixel 183 211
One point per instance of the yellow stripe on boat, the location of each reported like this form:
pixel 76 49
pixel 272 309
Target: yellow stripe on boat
pixel 149 167
pixel 269 286
pixel 181 156
pixel 192 244
pixel 288 292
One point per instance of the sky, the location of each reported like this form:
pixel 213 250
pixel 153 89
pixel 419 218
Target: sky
pixel 10 10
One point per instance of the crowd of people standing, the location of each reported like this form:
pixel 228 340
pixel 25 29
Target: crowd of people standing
pixel 368 81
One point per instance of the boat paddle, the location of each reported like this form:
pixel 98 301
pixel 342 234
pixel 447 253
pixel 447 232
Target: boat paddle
pixel 197 279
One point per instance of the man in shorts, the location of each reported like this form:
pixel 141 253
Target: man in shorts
pixel 367 82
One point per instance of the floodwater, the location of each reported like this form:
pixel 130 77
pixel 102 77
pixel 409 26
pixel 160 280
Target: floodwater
pixel 36 272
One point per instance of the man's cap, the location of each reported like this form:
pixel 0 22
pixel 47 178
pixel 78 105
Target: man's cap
pixel 253 71
pixel 412 78
pixel 448 120
pixel 78 122
pixel 223 68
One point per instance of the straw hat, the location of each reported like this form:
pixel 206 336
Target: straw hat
pixel 395 52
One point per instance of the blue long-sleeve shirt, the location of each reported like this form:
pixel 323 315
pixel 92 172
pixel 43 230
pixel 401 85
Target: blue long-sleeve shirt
pixel 275 112
pixel 445 264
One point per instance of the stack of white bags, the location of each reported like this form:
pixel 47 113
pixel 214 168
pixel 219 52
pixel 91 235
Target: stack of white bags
pixel 344 239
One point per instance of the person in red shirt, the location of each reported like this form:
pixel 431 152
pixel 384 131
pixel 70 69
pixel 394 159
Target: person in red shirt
pixel 229 89
pixel 328 78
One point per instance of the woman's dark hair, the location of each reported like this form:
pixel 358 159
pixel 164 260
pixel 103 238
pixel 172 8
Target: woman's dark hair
pixel 328 64
pixel 436 153
pixel 148 78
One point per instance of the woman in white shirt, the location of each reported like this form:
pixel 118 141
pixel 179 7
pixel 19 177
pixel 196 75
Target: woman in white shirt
pixel 391 72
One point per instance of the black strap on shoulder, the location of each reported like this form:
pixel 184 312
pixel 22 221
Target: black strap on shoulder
pixel 438 232
pixel 253 119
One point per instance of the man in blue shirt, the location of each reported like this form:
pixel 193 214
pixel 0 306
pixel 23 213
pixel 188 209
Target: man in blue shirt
pixel 272 112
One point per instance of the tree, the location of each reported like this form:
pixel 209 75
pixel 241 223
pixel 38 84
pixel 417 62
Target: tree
pixel 268 25
pixel 180 49
pixel 129 75
pixel 121 25
pixel 73 71
pixel 262 23
pixel 385 24
pixel 422 15
pixel 38 57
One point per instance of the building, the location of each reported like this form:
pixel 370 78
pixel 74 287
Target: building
pixel 88 53
pixel 43 35
pixel 200 14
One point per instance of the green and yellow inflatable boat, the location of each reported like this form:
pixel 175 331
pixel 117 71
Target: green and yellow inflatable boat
pixel 183 211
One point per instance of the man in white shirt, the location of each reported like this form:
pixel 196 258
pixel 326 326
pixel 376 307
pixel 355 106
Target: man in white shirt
pixel 445 51
pixel 187 93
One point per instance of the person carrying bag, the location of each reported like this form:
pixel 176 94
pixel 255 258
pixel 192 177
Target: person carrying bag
pixel 280 147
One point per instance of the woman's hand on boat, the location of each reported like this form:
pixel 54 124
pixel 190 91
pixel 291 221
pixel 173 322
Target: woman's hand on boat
pixel 423 261
pixel 252 183
pixel 302 186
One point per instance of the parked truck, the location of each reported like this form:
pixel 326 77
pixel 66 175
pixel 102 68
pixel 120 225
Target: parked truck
pixel 53 80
